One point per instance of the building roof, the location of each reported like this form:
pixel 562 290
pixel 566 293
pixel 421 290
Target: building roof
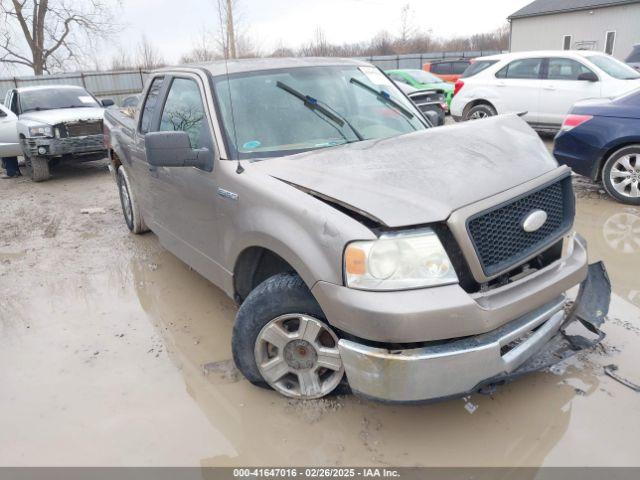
pixel 545 7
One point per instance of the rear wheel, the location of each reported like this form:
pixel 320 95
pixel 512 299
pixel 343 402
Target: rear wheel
pixel 128 201
pixel 38 168
pixel 621 175
pixel 281 340
pixel 479 112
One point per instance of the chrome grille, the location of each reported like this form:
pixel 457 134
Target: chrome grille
pixel 499 238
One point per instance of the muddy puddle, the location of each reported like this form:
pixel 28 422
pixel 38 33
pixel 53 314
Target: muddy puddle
pixel 113 352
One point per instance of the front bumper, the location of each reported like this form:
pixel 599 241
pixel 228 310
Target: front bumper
pixel 56 147
pixel 456 368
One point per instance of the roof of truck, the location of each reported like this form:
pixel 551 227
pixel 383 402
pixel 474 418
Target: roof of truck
pixel 220 67
pixel 46 87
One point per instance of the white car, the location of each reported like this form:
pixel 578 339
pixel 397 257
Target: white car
pixel 544 84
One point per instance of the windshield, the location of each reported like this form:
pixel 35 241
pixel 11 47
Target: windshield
pixel 614 68
pixel 282 112
pixel 53 98
pixel 423 77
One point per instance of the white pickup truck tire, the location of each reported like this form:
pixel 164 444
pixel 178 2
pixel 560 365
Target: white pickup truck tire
pixel 38 168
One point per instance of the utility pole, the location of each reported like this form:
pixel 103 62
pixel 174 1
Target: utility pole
pixel 231 35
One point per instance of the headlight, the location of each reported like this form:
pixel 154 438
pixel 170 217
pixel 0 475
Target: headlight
pixel 41 131
pixel 398 261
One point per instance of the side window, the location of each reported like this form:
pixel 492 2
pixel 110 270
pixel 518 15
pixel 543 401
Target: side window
pixel 184 111
pixel 610 42
pixel 13 102
pixel 458 68
pixel 150 104
pixel 565 69
pixel 526 68
pixel 397 78
pixel 441 68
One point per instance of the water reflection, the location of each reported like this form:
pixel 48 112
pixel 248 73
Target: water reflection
pixel 520 425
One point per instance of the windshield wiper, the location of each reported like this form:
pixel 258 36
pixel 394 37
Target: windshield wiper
pixel 37 109
pixel 314 104
pixel 383 96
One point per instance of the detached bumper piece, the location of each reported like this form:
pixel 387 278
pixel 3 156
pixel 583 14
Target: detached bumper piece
pixel 480 363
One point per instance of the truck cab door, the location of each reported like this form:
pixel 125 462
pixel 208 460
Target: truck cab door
pixel 145 175
pixel 185 199
pixel 9 141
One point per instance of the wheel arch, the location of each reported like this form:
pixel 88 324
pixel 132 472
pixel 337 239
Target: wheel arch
pixel 475 103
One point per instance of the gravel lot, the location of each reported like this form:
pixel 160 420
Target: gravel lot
pixel 113 352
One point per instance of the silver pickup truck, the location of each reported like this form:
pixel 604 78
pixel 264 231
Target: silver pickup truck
pixel 50 124
pixel 366 250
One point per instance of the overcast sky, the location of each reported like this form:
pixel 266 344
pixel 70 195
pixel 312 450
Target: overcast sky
pixel 172 25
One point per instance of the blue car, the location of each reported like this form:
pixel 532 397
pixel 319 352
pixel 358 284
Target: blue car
pixel 600 139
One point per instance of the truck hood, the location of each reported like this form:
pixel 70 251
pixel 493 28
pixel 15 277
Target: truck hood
pixel 59 115
pixel 420 177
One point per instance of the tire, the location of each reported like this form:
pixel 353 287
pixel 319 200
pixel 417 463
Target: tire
pixel 283 295
pixel 623 165
pixel 129 203
pixel 478 112
pixel 38 168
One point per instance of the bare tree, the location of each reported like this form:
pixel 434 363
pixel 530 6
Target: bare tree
pixel 201 50
pixel 407 28
pixel 46 36
pixel 121 60
pixel 148 56
pixel 318 46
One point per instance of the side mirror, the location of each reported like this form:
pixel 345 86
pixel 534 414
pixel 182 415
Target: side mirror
pixel 432 117
pixel 173 149
pixel 588 77
pixel 107 102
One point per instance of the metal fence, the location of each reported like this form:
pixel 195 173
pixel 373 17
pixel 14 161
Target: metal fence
pixel 118 85
pixel 417 60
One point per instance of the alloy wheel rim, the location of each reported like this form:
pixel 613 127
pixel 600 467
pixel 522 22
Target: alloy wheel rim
pixel 298 356
pixel 625 175
pixel 479 115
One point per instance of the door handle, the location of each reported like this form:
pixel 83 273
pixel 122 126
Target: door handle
pixel 502 84
pixel 549 87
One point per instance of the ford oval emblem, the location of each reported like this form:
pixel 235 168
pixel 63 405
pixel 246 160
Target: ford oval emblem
pixel 534 221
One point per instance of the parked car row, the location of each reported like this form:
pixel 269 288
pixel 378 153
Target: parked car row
pixel 591 100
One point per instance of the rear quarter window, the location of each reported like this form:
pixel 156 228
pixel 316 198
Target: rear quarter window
pixel 477 67
pixel 443 68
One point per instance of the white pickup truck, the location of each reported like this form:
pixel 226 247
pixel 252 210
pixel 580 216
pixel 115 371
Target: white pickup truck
pixel 49 124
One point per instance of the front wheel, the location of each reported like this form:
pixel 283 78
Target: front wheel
pixel 282 340
pixel 38 168
pixel 621 175
pixel 479 112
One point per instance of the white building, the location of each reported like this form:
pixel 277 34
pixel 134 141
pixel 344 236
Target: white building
pixel 608 26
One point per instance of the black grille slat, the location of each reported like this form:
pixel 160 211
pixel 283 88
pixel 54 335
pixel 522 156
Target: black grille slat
pixel 498 236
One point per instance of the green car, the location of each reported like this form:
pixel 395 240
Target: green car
pixel 422 81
